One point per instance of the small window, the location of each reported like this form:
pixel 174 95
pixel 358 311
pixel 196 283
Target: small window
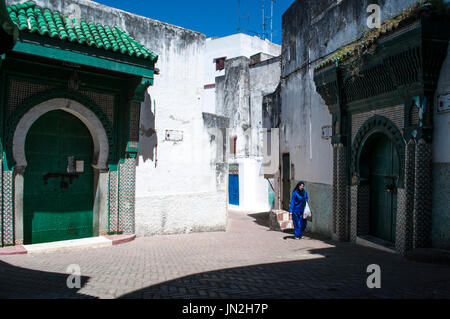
pixel 293 49
pixel 233 145
pixel 220 63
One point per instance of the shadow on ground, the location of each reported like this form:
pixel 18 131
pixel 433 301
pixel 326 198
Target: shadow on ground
pixel 331 273
pixel 22 283
pixel 261 219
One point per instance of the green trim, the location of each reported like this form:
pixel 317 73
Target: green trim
pixel 3 102
pixel 39 72
pixel 113 167
pixel 5 165
pixel 132 147
pixel 78 58
pixel 139 95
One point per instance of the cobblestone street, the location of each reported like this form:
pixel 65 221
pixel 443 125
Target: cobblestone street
pixel 247 261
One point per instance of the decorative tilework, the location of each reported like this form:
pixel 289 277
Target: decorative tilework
pixel 8 209
pixel 341 193
pixel 401 232
pixel 127 185
pixel 113 204
pixel 335 199
pixel 1 204
pixel 423 195
pixel 354 212
pixel 405 204
pixel 393 113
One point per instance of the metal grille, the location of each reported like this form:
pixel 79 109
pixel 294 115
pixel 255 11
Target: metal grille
pixel 19 91
pixel 134 121
pixel 104 101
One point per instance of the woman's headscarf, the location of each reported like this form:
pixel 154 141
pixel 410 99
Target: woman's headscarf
pixel 298 185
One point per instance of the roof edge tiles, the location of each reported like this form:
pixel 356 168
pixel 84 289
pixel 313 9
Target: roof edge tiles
pixel 29 17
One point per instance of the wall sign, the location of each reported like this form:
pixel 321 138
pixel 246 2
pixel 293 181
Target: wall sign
pixel 443 104
pixel 174 136
pixel 80 166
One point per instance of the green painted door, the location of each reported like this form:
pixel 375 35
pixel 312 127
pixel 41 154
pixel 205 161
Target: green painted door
pixel 58 186
pixel 383 178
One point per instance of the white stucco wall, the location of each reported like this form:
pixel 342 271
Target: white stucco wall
pixel 179 194
pixel 240 95
pixel 232 46
pixel 441 137
pixel 253 188
pixel 302 117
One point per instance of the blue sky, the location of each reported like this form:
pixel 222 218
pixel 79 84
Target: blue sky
pixel 213 18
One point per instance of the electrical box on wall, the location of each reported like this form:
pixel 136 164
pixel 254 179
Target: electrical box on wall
pixel 327 132
pixel 443 103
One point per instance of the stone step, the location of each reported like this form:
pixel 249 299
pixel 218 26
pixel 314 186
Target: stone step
pixel 280 220
pixel 68 245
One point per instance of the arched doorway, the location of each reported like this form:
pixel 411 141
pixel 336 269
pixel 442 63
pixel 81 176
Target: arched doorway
pixel 58 181
pixel 379 168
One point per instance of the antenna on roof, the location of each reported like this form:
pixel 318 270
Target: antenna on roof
pixel 271 19
pixel 264 20
pixel 239 14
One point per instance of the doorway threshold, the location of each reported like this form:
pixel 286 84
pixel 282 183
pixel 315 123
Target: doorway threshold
pixel 377 243
pixel 68 245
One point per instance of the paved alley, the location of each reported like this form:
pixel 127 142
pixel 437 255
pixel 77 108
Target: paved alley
pixel 246 261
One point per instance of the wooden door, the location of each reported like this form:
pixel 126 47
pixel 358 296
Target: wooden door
pixel 58 195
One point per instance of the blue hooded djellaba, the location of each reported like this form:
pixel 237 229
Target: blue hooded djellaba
pixel 297 208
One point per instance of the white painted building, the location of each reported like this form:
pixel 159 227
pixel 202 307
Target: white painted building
pixel 240 95
pixel 229 47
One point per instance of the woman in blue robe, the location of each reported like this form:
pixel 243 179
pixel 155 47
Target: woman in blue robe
pixel 297 208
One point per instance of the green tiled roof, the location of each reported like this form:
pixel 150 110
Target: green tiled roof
pixel 29 17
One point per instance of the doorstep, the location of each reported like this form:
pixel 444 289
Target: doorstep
pixel 67 245
pixel 373 242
